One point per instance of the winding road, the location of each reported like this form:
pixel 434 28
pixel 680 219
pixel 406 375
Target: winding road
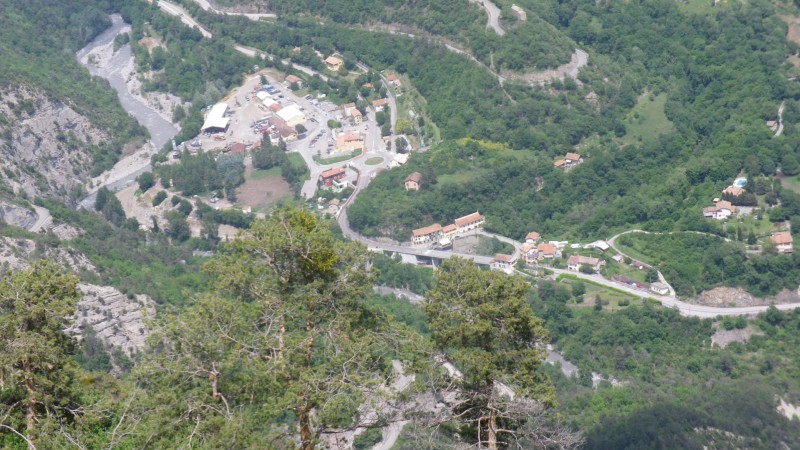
pixel 207 6
pixel 493 11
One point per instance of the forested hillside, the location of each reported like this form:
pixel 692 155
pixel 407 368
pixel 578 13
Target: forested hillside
pixel 723 74
pixel 38 41
pixel 277 337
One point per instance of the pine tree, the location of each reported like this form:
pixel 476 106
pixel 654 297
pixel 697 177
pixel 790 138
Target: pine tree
pixel 482 323
pixel 36 364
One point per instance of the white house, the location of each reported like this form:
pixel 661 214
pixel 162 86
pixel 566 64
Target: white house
pixel 782 241
pixel 503 262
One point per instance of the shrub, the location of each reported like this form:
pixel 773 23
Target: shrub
pixel 160 197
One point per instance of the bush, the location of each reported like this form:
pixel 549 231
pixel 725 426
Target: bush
pixel 146 181
pixel 159 198
pixel 367 439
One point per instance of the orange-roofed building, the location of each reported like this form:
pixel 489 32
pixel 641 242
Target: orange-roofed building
pixel 329 176
pixel 426 234
pixel 783 241
pixel 469 222
pixel 532 237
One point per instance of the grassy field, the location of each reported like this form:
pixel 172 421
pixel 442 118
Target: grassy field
pixel 337 159
pixel 610 298
pixel 791 183
pixel 647 120
pixel 375 160
pixel 298 161
pixel 258 174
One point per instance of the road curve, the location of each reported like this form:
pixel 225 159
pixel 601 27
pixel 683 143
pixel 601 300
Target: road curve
pixel 493 12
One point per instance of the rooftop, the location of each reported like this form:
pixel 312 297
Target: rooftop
pixel 416 177
pixel 468 219
pixel 424 231
pixel 782 237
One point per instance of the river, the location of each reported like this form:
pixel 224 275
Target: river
pixel 161 131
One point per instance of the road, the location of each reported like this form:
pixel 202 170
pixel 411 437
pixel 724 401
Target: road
pixel 779 131
pixel 185 17
pixel 493 12
pixel 43 219
pixel 207 6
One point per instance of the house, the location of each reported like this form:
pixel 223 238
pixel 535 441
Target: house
pixel 772 125
pixel 398 160
pixel 571 160
pixel 430 233
pixel 393 79
pixel 530 253
pixel 469 222
pixel 349 141
pixel 559 163
pixel 413 181
pixel 503 262
pixel 638 265
pixel 733 191
pixel 546 251
pixel 618 258
pixel 519 12
pixel 576 261
pixel 782 241
pixel 356 116
pixel 449 231
pixel 329 176
pixel 216 122
pixel 237 148
pixel 532 237
pixel 291 115
pixel 293 79
pixel 283 130
pixel 659 288
pixel 367 86
pixel 333 63
pixel 380 104
pixel 721 210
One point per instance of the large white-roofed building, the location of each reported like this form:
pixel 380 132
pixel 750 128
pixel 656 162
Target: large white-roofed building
pixel 216 122
pixel 291 115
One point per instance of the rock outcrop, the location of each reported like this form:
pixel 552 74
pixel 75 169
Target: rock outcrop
pixel 16 215
pixel 44 144
pixel 119 320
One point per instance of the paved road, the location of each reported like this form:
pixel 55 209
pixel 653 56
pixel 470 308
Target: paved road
pixel 493 11
pixel 207 6
pixel 181 13
pixel 43 219
pixel 780 120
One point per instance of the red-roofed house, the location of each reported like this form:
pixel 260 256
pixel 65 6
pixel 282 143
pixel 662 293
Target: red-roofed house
pixel 733 191
pixel 449 231
pixel 356 115
pixel 782 241
pixel 413 181
pixel 546 251
pixel 532 237
pixel 559 163
pixel 329 176
pixel 393 79
pixel 349 141
pixel 379 104
pixel 294 79
pixel 237 148
pixel 572 160
pixel 469 222
pixel 426 234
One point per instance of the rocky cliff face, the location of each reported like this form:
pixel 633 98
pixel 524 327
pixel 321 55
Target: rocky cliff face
pixel 16 215
pixel 44 144
pixel 119 320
